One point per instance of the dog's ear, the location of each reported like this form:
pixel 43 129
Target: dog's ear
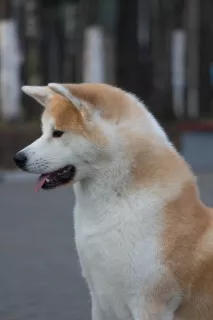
pixel 39 93
pixel 65 92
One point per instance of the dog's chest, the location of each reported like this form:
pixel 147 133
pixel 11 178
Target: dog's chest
pixel 118 245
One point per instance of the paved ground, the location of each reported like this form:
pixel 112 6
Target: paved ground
pixel 39 271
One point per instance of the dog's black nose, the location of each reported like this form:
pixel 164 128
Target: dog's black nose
pixel 20 159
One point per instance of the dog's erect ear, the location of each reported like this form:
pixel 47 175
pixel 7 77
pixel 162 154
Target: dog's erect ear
pixel 65 92
pixel 39 93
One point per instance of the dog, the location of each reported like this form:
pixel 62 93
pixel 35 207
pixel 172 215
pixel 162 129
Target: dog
pixel 143 236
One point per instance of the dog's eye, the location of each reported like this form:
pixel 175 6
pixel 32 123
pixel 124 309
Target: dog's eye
pixel 57 133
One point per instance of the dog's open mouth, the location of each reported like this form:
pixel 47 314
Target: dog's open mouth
pixel 56 178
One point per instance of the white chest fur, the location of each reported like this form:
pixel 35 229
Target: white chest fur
pixel 117 239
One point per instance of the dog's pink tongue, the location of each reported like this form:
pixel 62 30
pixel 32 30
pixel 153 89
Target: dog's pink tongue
pixel 40 182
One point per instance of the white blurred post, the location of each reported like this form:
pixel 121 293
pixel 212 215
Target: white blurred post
pixel 178 69
pixel 93 56
pixel 9 70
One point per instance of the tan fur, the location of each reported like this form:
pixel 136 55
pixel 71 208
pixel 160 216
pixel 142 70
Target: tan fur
pixel 151 173
pixel 188 254
pixel 68 118
pixel 110 101
pixel 115 106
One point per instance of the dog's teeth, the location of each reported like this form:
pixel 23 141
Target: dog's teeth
pixel 47 180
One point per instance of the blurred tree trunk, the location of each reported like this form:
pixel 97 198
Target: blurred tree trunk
pixel 92 9
pixel 205 46
pixel 161 26
pixel 127 62
pixel 193 27
pixel 93 49
pixel 31 48
pixel 5 9
pixel 73 32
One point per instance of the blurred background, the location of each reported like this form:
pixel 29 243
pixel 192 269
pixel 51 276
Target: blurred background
pixel 161 50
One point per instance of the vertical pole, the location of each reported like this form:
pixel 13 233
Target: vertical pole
pixel 127 63
pixel 9 64
pixel 178 66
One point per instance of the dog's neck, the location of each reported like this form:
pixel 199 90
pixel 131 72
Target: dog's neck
pixel 149 168
pixel 107 182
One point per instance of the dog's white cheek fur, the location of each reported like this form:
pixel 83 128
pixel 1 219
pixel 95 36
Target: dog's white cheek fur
pixel 47 154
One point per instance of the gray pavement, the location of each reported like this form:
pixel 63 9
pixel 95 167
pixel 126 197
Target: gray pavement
pixel 40 276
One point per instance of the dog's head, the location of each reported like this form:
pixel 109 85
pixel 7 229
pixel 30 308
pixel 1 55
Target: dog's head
pixel 79 131
pixel 85 128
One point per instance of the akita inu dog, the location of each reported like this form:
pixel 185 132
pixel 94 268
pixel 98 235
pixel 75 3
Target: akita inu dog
pixel 144 238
